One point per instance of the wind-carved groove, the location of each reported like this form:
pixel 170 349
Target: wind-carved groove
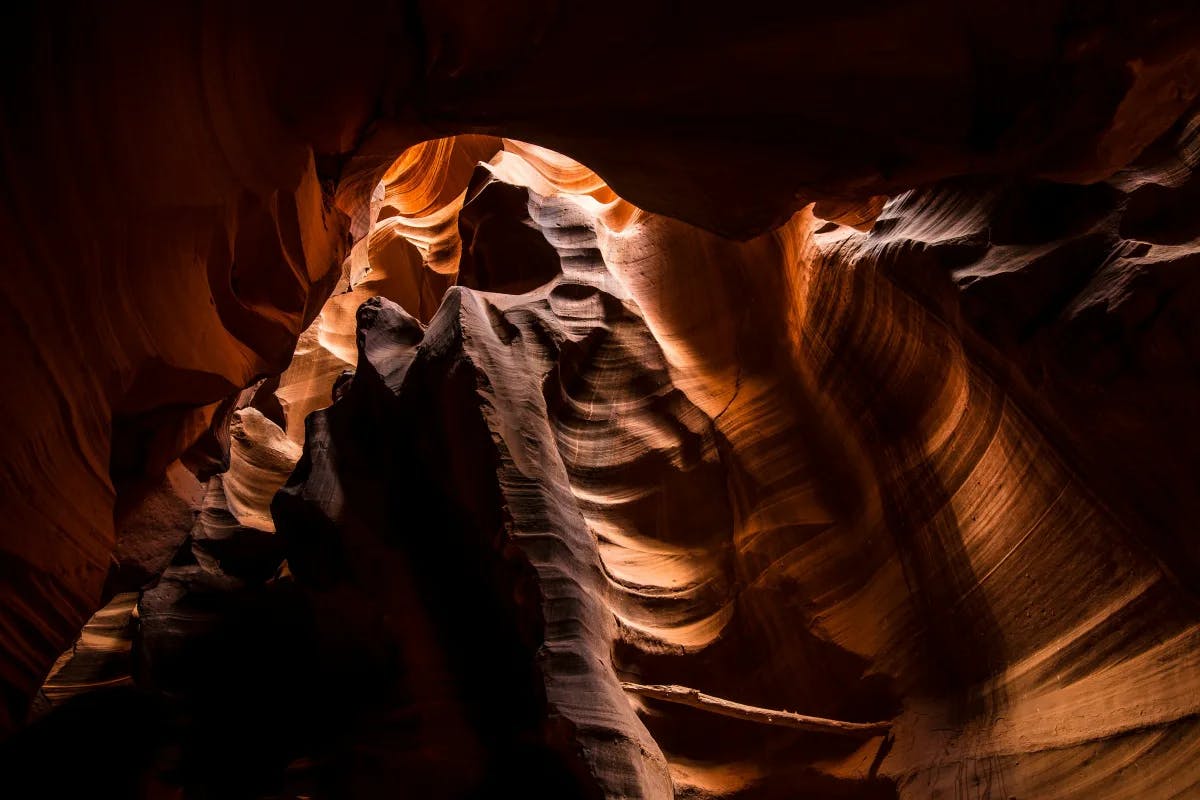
pixel 648 473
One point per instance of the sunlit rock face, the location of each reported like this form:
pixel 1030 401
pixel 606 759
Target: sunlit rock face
pixel 853 375
pixel 759 524
pixel 543 494
pixel 1082 300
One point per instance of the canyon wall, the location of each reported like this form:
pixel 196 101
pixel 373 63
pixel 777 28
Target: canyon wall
pixel 853 375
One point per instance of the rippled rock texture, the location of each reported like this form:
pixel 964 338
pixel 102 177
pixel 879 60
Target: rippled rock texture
pixel 689 498
pixel 854 376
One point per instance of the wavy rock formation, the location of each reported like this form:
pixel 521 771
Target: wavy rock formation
pixel 746 514
pixel 853 377
pixel 201 243
pixel 410 256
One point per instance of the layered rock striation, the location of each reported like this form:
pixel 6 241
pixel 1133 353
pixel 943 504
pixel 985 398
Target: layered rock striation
pixel 854 378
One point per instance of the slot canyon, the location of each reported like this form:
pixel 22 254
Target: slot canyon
pixel 451 399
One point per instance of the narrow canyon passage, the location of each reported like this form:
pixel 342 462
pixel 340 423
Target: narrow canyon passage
pixel 437 400
pixel 568 480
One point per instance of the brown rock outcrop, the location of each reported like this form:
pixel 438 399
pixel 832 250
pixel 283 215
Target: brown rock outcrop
pixel 747 513
pixel 852 376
